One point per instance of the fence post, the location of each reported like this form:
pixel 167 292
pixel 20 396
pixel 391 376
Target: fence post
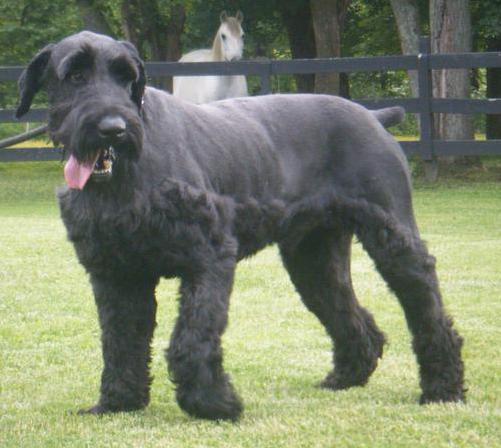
pixel 425 111
pixel 264 77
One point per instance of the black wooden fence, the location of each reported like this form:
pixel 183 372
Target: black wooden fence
pixel 425 105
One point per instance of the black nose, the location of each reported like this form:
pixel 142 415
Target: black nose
pixel 112 127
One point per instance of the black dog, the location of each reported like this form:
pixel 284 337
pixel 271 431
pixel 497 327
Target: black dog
pixel 159 187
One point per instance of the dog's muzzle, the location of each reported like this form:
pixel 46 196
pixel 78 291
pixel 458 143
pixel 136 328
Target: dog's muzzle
pixel 112 132
pixel 103 166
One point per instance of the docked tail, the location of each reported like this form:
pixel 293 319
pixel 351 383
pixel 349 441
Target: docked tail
pixel 389 116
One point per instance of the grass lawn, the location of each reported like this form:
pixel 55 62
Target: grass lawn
pixel 276 352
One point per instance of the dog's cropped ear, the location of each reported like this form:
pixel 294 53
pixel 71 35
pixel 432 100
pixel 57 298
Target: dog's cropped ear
pixel 31 80
pixel 223 16
pixel 239 16
pixel 139 84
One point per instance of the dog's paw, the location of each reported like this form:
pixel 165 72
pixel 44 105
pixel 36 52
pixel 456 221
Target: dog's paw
pixel 95 410
pixel 337 381
pixel 100 409
pixel 443 397
pixel 219 402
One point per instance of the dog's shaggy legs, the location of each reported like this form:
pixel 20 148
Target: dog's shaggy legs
pixel 409 270
pixel 319 267
pixel 195 355
pixel 127 318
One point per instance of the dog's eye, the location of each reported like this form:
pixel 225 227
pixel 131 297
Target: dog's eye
pixel 223 36
pixel 77 77
pixel 122 70
pixel 124 78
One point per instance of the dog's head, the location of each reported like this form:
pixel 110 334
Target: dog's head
pixel 95 87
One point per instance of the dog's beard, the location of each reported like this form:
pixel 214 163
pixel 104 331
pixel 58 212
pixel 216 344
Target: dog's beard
pixel 90 156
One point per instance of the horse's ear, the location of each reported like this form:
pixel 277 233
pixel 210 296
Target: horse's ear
pixel 31 80
pixel 139 84
pixel 240 16
pixel 223 16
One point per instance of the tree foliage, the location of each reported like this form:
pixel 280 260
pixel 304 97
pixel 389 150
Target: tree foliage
pixel 27 25
pixel 369 29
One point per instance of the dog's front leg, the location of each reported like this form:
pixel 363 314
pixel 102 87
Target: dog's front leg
pixel 127 317
pixel 195 356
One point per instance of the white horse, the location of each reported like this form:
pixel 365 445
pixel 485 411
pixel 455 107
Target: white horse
pixel 228 46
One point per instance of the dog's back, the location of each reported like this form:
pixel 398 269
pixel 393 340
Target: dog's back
pixel 280 146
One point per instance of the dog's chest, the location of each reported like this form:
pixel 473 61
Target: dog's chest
pixel 109 245
pixel 150 237
pixel 112 241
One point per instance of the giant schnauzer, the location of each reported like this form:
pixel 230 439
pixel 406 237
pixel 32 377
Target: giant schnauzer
pixel 162 188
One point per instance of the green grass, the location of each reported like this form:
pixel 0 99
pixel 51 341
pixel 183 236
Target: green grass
pixel 275 350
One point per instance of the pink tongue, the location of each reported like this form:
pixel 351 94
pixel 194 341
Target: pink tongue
pixel 77 174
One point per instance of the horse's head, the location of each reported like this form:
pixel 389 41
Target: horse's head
pixel 230 36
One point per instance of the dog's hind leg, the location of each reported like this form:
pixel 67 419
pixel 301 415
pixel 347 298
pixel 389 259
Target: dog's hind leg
pixel 409 270
pixel 127 317
pixel 319 267
pixel 195 355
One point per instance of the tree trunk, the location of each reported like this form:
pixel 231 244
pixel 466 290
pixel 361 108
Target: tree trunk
pixel 408 21
pixel 131 24
pixel 493 122
pixel 143 26
pixel 94 20
pixel 175 28
pixel 154 30
pixel 328 18
pixel 299 27
pixel 406 14
pixel 450 26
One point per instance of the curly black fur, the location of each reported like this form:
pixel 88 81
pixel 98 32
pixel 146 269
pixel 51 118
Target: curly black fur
pixel 194 189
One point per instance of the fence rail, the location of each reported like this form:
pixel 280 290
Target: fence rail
pixel 428 147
